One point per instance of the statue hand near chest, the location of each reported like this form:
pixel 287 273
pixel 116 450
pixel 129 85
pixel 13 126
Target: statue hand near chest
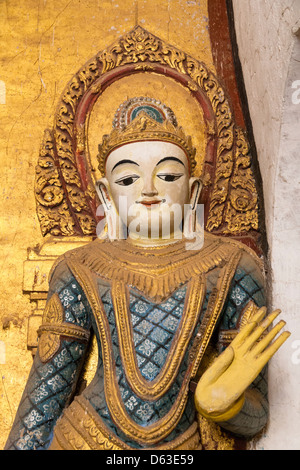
pixel 153 178
pixel 220 391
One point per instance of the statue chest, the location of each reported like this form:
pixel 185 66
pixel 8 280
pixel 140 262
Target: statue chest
pixel 144 378
pixel 152 327
pixel 149 351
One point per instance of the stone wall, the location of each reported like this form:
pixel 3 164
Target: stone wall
pixel 269 51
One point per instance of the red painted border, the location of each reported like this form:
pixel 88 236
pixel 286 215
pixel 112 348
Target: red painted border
pixel 89 99
pixel 225 70
pixel 222 54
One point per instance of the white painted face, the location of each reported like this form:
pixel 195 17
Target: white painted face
pixel 149 185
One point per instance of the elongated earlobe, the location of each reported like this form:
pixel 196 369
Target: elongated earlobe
pixel 190 220
pixel 103 194
pixel 112 219
pixel 195 191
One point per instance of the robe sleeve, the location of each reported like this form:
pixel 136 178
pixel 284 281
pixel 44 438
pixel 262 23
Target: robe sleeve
pixel 63 340
pixel 247 293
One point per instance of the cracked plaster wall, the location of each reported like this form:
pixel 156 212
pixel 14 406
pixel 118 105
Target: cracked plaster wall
pixel 269 49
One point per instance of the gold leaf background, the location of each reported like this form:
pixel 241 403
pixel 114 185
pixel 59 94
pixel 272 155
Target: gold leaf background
pixel 43 44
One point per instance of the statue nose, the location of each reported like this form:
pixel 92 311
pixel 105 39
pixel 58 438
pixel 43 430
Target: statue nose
pixel 149 188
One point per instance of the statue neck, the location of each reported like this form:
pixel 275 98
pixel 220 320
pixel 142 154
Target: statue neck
pixel 137 240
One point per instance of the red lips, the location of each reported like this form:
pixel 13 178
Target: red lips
pixel 150 203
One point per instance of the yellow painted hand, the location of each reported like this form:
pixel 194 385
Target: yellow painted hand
pixel 220 391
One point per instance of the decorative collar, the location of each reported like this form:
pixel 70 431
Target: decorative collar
pixel 154 271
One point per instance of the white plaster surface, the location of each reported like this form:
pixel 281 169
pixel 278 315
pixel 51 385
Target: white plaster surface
pixel 269 50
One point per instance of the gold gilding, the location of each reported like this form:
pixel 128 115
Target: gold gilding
pixel 53 327
pixel 40 55
pixel 81 428
pixel 84 266
pixel 143 128
pixel 64 207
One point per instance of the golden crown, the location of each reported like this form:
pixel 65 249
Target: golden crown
pixel 145 119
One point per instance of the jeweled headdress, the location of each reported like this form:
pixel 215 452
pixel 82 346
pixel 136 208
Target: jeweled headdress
pixel 140 119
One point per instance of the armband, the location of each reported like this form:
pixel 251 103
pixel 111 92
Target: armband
pixel 54 327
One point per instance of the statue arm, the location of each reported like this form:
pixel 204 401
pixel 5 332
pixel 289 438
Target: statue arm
pixel 63 339
pixel 233 391
pixel 247 291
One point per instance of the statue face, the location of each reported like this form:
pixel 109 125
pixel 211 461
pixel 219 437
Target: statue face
pixel 149 185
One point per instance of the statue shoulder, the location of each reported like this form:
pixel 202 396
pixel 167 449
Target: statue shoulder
pixel 60 267
pixel 249 259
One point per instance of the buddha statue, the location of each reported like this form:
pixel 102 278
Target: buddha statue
pixel 178 314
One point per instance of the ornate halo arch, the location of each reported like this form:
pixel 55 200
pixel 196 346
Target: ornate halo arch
pixel 65 196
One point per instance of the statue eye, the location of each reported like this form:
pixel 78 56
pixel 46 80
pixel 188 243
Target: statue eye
pixel 127 181
pixel 169 177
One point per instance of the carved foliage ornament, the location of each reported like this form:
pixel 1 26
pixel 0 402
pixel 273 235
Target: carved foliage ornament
pixel 145 128
pixel 66 200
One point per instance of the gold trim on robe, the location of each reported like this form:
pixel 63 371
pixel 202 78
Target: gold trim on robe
pixel 159 430
pixel 156 273
pixel 81 428
pixel 54 327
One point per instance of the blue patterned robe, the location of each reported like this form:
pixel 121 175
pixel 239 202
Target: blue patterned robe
pixel 155 326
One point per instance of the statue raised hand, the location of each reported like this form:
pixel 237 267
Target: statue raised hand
pixel 155 302
pixel 220 392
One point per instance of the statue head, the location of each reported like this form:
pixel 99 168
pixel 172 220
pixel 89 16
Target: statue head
pixel 148 190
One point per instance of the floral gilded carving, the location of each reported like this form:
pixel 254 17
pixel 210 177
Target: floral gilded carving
pixel 65 203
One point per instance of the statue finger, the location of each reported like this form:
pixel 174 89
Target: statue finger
pixel 268 353
pixel 266 341
pixel 219 366
pixel 260 329
pixel 248 329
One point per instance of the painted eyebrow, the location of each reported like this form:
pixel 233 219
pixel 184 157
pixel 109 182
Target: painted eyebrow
pixel 170 158
pixel 124 161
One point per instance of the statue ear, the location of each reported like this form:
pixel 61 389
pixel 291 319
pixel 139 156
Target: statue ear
pixel 103 193
pixel 114 226
pixel 190 220
pixel 195 191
